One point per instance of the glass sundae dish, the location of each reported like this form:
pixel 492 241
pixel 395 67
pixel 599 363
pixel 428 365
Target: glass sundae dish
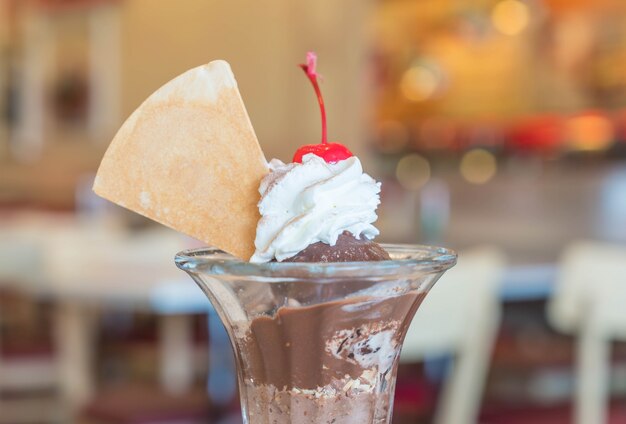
pixel 317 342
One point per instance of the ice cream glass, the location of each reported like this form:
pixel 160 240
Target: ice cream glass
pixel 317 342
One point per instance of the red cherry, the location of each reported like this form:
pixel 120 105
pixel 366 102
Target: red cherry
pixel 330 152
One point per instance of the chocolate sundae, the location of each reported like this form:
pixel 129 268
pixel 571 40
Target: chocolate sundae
pixel 317 310
pixel 330 362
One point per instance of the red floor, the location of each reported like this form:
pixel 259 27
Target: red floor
pixel 547 415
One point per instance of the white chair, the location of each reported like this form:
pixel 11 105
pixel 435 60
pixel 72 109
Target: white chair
pixel 460 315
pixel 20 263
pixel 590 301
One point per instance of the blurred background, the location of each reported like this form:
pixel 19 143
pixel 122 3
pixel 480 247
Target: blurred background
pixel 498 128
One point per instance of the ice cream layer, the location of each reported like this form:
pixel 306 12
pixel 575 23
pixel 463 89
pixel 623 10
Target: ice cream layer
pixel 313 201
pixel 307 347
pixel 331 362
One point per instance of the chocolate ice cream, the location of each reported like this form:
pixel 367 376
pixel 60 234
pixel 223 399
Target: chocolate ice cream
pixel 347 249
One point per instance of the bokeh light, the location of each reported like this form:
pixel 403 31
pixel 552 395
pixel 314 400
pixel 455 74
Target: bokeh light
pixel 413 171
pixel 478 166
pixel 510 17
pixel 589 132
pixel 419 83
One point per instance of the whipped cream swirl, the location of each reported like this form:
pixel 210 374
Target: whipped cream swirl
pixel 302 204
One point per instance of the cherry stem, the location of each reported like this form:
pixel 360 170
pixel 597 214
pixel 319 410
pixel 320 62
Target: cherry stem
pixel 309 70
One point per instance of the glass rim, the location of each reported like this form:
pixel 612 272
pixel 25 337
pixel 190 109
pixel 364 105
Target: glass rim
pixel 406 259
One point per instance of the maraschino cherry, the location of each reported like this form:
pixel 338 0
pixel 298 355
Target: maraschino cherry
pixel 330 152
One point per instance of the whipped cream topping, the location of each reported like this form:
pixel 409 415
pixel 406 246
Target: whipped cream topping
pixel 304 203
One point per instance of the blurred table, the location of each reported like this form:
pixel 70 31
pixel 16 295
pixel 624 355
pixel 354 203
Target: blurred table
pixel 84 266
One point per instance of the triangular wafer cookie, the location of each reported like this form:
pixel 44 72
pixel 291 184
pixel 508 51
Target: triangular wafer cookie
pixel 189 159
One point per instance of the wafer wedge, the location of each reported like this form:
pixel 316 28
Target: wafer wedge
pixel 188 158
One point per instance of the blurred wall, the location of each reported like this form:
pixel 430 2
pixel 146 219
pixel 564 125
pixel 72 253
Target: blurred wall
pixel 4 29
pixel 129 48
pixel 263 41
